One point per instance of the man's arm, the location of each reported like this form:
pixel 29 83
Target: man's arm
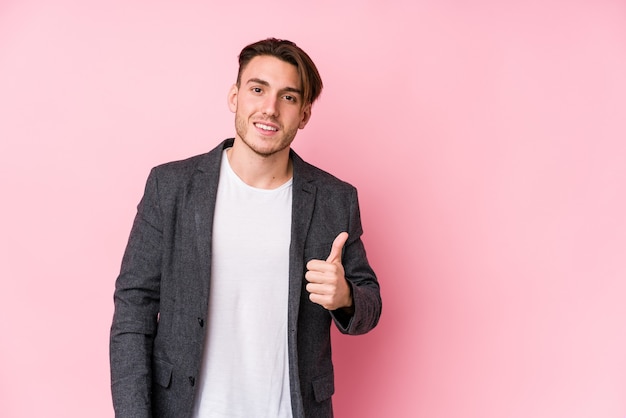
pixel 344 283
pixel 136 298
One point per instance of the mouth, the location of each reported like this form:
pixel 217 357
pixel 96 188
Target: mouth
pixel 265 127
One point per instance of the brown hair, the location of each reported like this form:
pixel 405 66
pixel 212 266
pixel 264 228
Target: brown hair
pixel 288 52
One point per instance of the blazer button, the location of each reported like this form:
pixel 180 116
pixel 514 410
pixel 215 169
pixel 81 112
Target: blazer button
pixel 192 381
pixel 201 322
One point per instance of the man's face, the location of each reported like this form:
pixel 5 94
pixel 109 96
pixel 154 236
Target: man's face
pixel 268 105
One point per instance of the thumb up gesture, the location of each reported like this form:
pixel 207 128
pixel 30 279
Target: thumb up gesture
pixel 327 283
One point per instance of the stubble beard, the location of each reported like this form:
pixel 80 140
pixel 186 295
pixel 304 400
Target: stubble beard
pixel 241 127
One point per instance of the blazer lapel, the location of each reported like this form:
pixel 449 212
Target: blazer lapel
pixel 202 195
pixel 304 192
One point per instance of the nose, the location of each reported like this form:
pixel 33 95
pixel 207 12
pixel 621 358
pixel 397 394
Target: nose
pixel 270 107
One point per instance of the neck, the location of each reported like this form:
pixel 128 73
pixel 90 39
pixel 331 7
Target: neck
pixel 263 172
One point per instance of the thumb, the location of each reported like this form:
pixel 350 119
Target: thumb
pixel 335 251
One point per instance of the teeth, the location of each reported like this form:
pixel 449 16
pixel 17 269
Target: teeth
pixel 266 127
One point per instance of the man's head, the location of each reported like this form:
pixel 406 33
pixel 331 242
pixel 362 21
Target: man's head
pixel 289 52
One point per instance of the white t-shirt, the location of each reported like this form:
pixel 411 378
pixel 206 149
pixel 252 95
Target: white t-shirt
pixel 245 368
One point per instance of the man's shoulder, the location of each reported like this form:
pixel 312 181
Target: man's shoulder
pixel 181 166
pixel 308 173
pixel 186 167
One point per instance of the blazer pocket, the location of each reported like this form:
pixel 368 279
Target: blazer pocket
pixel 324 387
pixel 162 372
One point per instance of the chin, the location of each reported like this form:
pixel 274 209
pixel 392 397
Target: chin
pixel 265 150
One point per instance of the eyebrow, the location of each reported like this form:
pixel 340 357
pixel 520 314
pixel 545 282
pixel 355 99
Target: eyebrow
pixel 265 83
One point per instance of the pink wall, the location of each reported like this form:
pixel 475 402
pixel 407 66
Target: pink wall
pixel 488 143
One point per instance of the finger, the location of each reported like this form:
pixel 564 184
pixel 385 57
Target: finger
pixel 312 276
pixel 323 267
pixel 318 299
pixel 317 289
pixel 337 248
pixel 316 265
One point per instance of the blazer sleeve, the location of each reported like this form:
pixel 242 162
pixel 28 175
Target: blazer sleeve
pixel 361 278
pixel 136 300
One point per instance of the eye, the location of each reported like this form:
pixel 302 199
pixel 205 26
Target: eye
pixel 256 89
pixel 290 98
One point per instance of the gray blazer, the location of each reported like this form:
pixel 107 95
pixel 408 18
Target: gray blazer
pixel 161 294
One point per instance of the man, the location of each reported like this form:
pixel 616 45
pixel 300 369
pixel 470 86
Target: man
pixel 237 263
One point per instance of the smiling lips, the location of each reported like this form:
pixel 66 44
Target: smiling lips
pixel 266 128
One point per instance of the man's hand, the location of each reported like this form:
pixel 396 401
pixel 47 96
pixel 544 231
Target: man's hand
pixel 327 283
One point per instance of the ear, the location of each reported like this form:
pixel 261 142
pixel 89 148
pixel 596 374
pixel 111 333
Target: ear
pixel 232 98
pixel 306 115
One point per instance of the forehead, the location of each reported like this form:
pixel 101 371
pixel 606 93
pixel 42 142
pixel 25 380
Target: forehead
pixel 276 72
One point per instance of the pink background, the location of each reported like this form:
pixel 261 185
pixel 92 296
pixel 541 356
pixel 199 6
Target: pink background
pixel 487 140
